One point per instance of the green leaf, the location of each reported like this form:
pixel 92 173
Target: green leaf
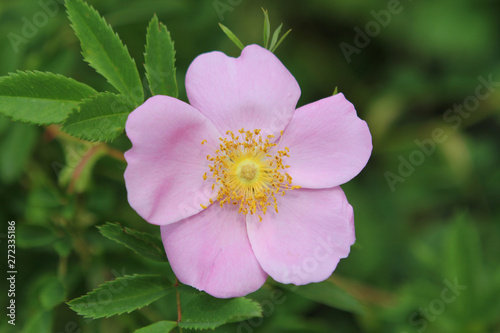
pixel 52 294
pixel 28 236
pixel 4 123
pixel 267 28
pixel 232 36
pixel 281 40
pixel 125 294
pixel 336 91
pixel 276 34
pixel 81 157
pixel 329 294
pixel 159 327
pixel 104 51
pixel 63 246
pixel 16 149
pixel 40 98
pixel 101 118
pixel 160 60
pixel 141 243
pixel 202 311
pixel 39 322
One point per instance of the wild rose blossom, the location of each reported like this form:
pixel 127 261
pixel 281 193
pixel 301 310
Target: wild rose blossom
pixel 242 184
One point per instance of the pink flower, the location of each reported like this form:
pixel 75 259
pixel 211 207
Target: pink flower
pixel 242 184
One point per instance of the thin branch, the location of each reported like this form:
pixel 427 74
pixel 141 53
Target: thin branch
pixel 81 166
pixel 178 296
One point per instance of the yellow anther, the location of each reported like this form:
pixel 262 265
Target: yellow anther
pixel 249 172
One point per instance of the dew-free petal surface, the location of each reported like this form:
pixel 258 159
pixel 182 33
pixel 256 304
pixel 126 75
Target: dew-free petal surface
pixel 329 144
pixel 210 251
pixel 253 91
pixel 164 175
pixel 304 242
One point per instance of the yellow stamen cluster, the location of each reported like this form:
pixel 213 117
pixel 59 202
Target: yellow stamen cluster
pixel 249 172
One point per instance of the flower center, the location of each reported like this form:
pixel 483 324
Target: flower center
pixel 249 172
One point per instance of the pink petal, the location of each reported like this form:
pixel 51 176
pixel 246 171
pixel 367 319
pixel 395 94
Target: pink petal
pixel 328 143
pixel 164 176
pixel 254 91
pixel 210 251
pixel 304 242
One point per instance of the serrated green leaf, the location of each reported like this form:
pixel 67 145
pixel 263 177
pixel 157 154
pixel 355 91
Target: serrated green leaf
pixel 160 60
pixel 141 243
pixel 104 51
pixel 159 327
pixel 329 294
pixel 276 34
pixel 52 294
pixel 267 28
pixel 101 118
pixel 40 98
pixel 281 40
pixel 125 294
pixel 232 36
pixel 202 311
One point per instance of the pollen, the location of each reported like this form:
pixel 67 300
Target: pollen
pixel 249 172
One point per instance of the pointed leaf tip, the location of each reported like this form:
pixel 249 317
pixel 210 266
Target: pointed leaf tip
pixel 104 51
pixel 40 98
pixel 160 60
pixel 232 36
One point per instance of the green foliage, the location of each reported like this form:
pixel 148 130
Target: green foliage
pixel 160 60
pixel 232 36
pixel 100 118
pixel 267 28
pixel 329 294
pixel 34 236
pixel 202 311
pixel 159 327
pixel 16 146
pixel 40 98
pixel 125 294
pixel 273 49
pixel 104 51
pixel 141 243
pixel 81 157
pixel 52 294
pixel 267 34
pixel 39 322
pixel 411 242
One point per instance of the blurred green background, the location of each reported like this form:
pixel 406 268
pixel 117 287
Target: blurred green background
pixel 426 205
